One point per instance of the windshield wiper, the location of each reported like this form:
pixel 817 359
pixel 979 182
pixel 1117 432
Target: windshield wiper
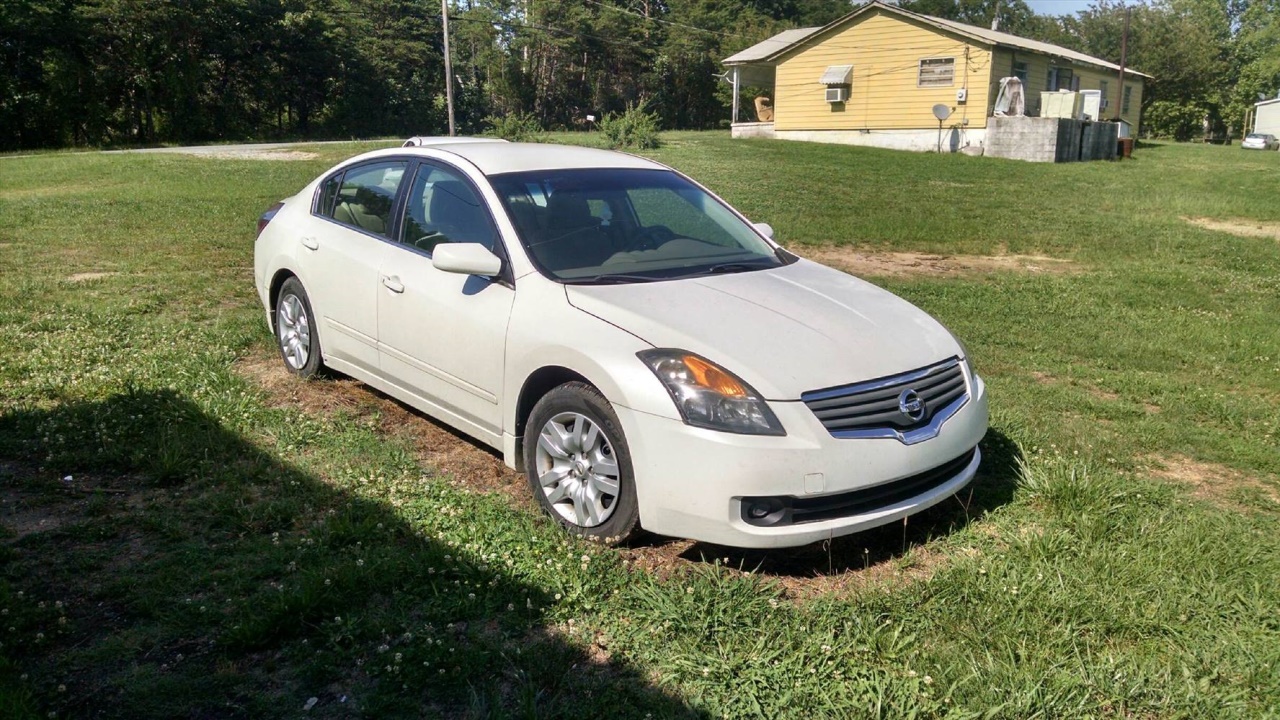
pixel 733 267
pixel 611 279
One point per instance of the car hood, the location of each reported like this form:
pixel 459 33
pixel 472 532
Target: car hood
pixel 785 331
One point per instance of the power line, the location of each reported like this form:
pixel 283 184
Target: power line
pixel 546 28
pixel 665 22
pixel 510 25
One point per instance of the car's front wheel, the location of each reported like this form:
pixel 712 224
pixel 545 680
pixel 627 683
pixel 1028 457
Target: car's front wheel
pixel 296 330
pixel 578 464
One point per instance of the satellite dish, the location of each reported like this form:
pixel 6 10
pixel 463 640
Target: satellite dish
pixel 941 111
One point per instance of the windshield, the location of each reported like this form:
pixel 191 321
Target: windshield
pixel 625 225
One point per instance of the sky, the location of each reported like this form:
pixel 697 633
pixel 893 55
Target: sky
pixel 1059 7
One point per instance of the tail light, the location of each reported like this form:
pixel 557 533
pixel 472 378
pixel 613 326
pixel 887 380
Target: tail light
pixel 266 216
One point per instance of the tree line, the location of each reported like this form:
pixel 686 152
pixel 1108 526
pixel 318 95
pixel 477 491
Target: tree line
pixel 116 72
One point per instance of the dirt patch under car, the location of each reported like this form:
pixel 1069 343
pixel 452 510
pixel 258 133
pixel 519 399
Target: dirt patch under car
pixel 436 445
pixel 883 557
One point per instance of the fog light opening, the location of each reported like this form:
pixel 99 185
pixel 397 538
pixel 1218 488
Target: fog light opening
pixel 765 512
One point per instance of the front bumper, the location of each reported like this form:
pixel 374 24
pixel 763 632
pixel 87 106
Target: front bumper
pixel 691 482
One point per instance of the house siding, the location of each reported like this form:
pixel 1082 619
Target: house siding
pixel 1090 79
pixel 885 51
pixel 1267 119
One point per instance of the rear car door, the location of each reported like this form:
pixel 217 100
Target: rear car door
pixel 349 233
pixel 443 335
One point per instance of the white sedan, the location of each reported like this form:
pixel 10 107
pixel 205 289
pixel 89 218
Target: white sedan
pixel 1260 141
pixel 647 356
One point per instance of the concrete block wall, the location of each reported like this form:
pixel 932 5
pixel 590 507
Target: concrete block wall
pixel 1038 139
pixel 1023 138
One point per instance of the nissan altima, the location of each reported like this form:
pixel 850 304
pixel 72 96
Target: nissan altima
pixel 643 353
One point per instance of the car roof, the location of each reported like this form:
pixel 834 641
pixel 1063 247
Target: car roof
pixel 494 157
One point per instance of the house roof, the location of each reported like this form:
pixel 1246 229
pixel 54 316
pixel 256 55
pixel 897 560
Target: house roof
pixel 1267 102
pixel 768 48
pixel 771 49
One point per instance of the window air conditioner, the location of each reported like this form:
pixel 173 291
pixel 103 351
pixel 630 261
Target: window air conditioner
pixel 837 94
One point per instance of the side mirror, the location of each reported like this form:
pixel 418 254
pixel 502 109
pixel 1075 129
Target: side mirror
pixel 466 259
pixel 764 229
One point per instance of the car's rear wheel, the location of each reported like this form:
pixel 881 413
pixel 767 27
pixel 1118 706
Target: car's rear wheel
pixel 578 464
pixel 296 330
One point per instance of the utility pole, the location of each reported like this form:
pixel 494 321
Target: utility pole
pixel 448 66
pixel 1124 56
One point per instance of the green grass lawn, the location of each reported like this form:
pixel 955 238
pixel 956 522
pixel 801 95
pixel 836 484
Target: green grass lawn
pixel 179 539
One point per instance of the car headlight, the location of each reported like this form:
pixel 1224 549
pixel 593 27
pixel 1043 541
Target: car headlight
pixel 709 396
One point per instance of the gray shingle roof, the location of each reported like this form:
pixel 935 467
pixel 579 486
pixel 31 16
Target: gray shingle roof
pixel 774 45
pixel 784 41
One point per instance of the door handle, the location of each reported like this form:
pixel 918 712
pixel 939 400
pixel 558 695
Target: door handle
pixel 393 284
pixel 310 243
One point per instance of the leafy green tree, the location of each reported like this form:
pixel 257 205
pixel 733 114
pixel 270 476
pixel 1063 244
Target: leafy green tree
pixel 1257 59
pixel 98 72
pixel 1014 16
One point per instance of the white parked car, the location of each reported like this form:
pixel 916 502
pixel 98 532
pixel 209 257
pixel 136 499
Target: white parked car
pixel 647 356
pixel 1260 141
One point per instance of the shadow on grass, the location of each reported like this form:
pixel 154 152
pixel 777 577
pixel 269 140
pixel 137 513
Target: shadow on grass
pixel 190 574
pixel 992 487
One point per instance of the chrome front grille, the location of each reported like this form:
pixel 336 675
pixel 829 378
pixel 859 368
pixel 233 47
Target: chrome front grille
pixel 911 407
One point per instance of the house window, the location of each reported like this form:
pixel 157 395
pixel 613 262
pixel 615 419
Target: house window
pixel 1020 71
pixel 1104 91
pixel 1124 105
pixel 1059 79
pixel 937 72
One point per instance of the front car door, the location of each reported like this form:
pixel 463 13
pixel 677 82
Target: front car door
pixel 443 335
pixel 344 243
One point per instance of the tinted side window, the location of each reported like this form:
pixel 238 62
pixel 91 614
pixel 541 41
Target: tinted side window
pixel 328 191
pixel 442 208
pixel 366 194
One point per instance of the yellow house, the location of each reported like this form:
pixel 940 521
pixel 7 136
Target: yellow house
pixel 874 76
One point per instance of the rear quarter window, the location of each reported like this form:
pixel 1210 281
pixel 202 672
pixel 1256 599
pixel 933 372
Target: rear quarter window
pixel 363 196
pixel 328 191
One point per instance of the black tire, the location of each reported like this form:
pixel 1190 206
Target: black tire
pixel 623 518
pixel 290 291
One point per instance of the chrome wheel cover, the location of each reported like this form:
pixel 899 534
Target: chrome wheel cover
pixel 577 469
pixel 293 327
